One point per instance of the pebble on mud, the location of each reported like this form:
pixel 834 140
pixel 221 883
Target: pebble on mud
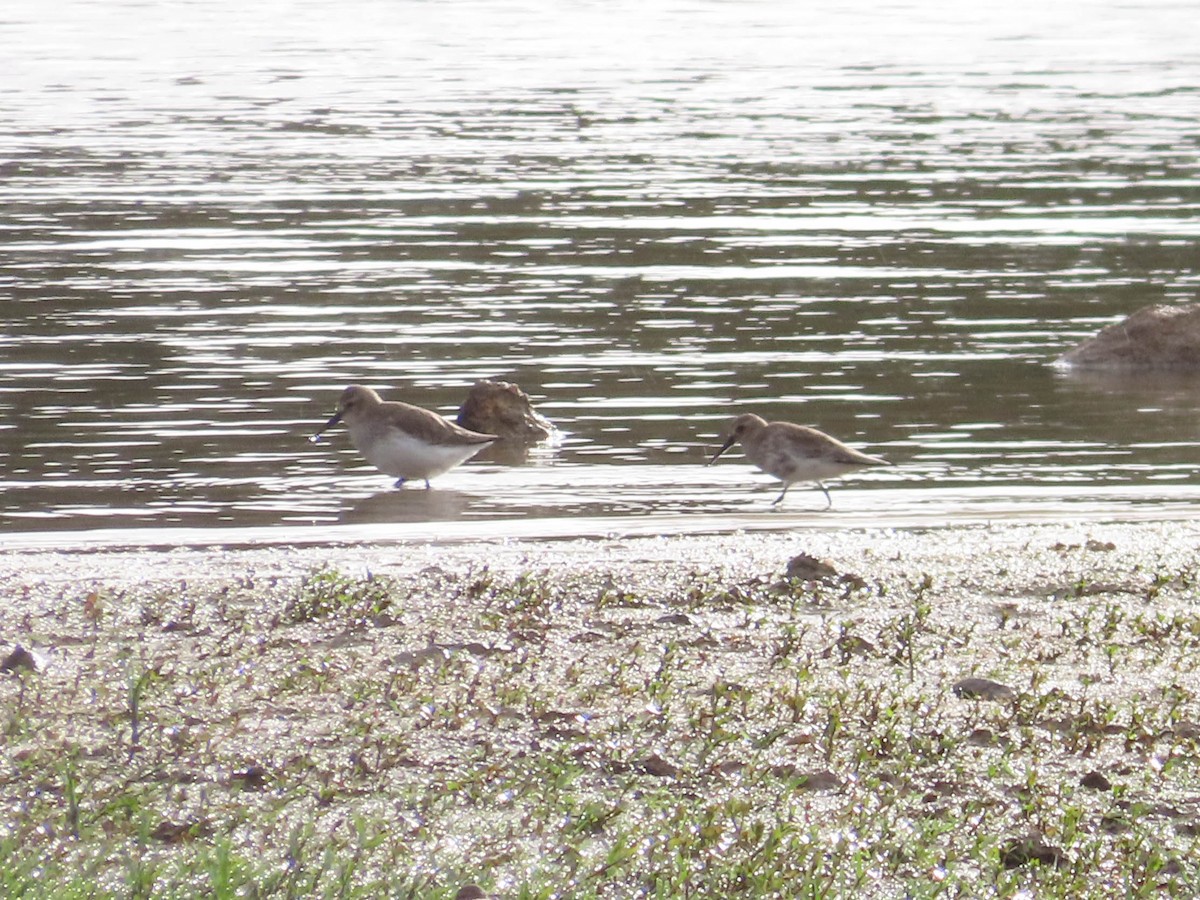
pixel 1031 848
pixel 983 689
pixel 18 659
pixel 1096 782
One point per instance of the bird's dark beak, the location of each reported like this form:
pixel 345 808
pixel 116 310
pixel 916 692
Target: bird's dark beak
pixel 337 417
pixel 725 446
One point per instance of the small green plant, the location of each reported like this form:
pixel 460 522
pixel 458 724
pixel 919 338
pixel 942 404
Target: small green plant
pixel 71 795
pixel 138 681
pixel 328 593
pixel 906 630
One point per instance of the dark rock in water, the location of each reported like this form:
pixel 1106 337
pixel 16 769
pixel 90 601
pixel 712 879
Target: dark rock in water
pixel 1158 337
pixel 503 409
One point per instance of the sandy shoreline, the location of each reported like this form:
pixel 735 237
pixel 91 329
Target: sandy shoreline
pixel 959 552
pixel 580 717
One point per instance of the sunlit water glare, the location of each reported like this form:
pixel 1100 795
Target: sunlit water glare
pixel 885 223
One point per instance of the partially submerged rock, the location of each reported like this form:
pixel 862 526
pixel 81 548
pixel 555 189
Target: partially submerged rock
pixel 1158 337
pixel 501 408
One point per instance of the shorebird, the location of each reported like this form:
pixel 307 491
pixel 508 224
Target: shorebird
pixel 794 452
pixel 402 440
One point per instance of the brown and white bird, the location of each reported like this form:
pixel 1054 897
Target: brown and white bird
pixel 402 440
pixel 794 453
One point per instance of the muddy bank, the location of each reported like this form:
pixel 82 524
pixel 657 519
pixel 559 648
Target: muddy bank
pixel 837 713
pixel 972 554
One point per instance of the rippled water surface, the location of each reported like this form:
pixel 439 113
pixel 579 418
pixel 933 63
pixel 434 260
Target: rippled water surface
pixel 885 223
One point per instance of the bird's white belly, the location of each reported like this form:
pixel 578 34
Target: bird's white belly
pixel 791 467
pixel 402 456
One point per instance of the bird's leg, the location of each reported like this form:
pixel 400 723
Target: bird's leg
pixel 781 493
pixel 426 484
pixel 828 499
pixel 400 483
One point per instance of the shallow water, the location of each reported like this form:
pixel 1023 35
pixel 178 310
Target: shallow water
pixel 885 225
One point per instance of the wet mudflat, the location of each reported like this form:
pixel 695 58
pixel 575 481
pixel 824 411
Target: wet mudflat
pixel 983 709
